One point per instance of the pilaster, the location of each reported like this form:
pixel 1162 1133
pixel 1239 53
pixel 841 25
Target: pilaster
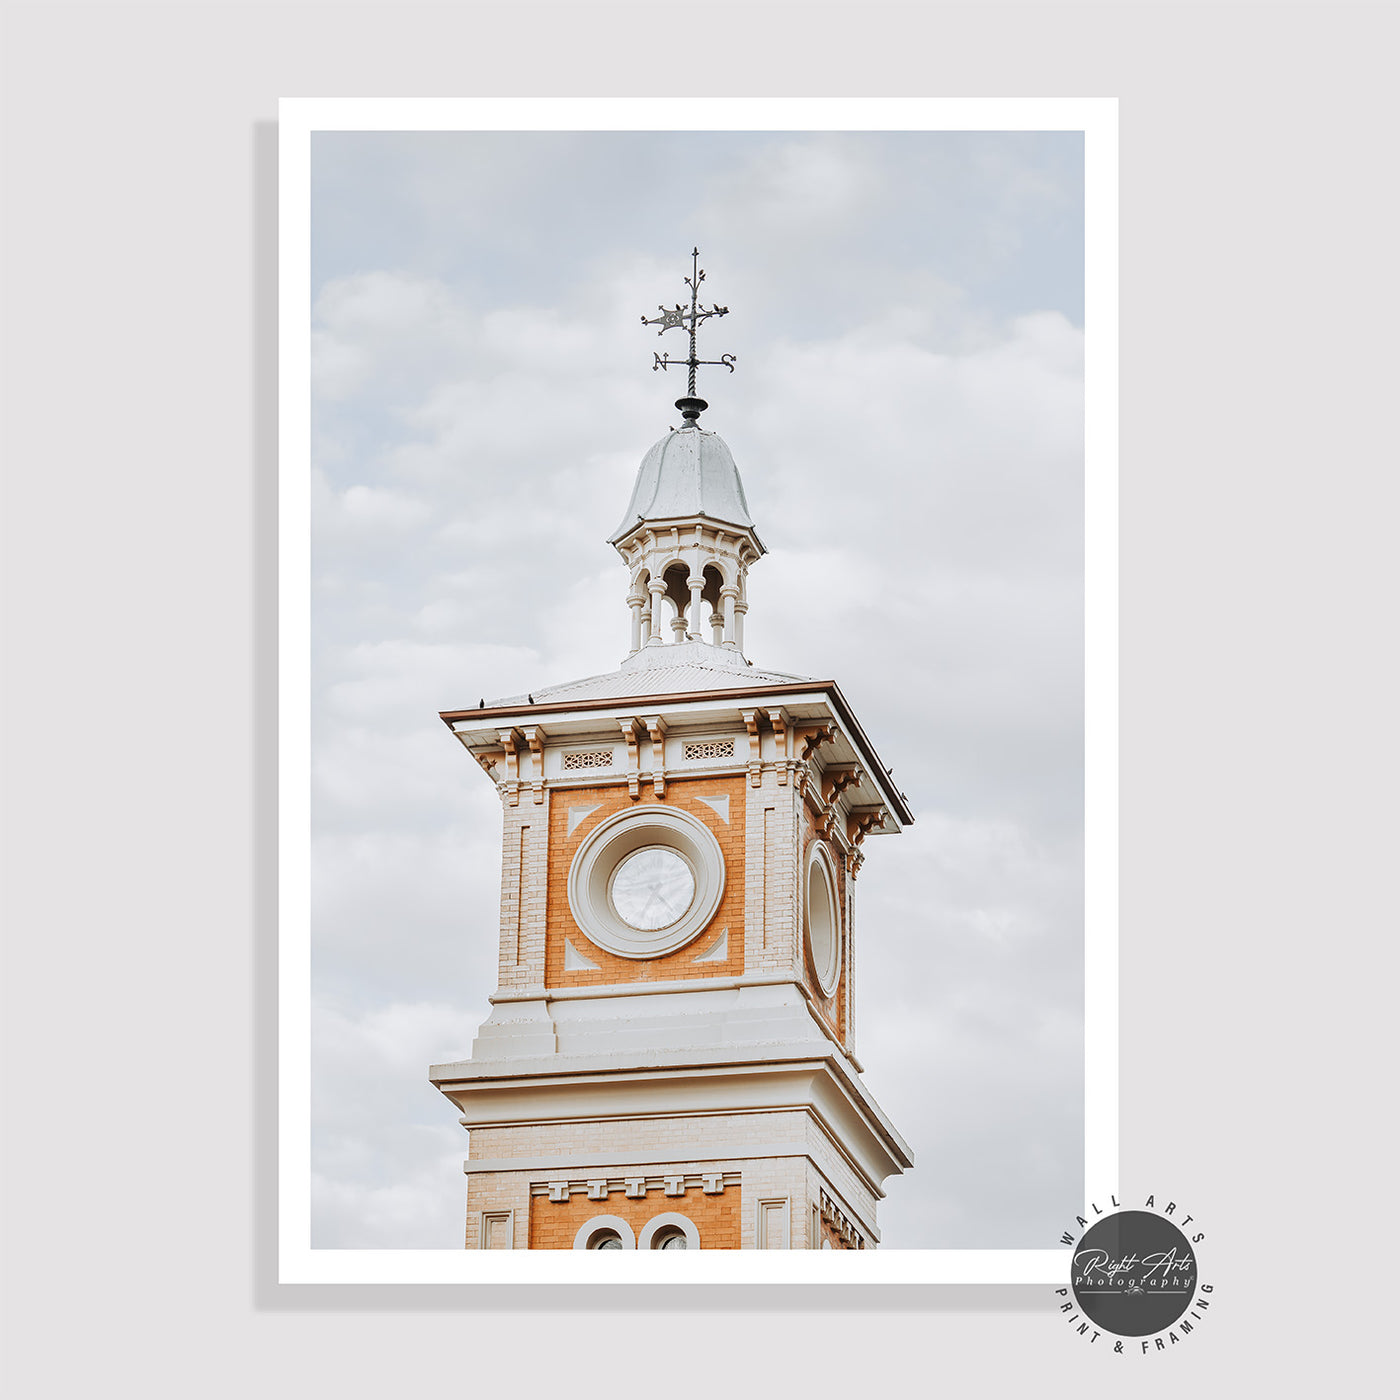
pixel 524 893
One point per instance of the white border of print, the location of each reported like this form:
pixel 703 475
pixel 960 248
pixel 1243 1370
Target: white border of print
pixel 1098 119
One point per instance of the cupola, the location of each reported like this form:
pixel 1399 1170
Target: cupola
pixel 688 541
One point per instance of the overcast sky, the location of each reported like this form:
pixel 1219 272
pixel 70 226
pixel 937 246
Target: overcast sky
pixel 907 415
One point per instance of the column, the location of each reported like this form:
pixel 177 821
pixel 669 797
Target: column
pixel 658 591
pixel 697 628
pixel 729 594
pixel 635 601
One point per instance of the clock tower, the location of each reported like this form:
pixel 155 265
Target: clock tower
pixel 669 1061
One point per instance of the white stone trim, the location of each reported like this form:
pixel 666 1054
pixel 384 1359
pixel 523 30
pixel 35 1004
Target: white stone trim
pixel 603 849
pixel 484 1220
pixel 816 703
pixel 605 1222
pixel 588 1161
pixel 649 989
pixel 577 815
pixel 661 1222
pixel 593 1087
pixel 718 804
pixel 574 961
pixel 718 950
pixel 767 1212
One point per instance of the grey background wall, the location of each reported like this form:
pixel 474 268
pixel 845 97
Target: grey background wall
pixel 1258 500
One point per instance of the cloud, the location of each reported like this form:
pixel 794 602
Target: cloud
pixel 790 186
pixel 376 330
pixel 382 1177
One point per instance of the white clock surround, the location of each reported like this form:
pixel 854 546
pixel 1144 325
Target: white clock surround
pixel 605 848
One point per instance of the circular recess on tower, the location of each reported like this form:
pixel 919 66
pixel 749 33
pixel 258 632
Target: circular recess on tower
pixel 646 881
pixel 821 916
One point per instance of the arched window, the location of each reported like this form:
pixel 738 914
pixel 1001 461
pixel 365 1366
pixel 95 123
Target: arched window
pixel 605 1232
pixel 669 1230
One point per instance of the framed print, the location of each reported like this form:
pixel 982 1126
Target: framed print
pixel 698 655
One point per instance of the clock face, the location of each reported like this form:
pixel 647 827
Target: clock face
pixel 652 888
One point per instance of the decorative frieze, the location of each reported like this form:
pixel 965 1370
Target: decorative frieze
pixel 635 1187
pixel 579 760
pixel 841 1223
pixel 702 750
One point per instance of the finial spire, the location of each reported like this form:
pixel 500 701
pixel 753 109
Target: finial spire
pixel 691 406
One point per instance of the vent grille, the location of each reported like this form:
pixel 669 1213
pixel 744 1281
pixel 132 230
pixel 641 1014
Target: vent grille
pixel 709 748
pixel 577 759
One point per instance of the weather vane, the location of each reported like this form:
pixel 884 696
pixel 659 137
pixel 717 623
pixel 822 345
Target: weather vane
pixel 691 407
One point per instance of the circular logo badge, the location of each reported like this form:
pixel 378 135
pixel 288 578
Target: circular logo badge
pixel 1133 1273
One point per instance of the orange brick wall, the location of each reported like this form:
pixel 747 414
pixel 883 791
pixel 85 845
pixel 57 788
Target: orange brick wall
pixel 563 844
pixel 553 1224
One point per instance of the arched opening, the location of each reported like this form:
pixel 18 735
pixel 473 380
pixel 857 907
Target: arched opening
pixel 669 1230
pixel 639 600
pixel 714 581
pixel 678 592
pixel 605 1232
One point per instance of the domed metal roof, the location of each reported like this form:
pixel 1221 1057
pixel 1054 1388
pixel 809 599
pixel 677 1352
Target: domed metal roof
pixel 689 472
